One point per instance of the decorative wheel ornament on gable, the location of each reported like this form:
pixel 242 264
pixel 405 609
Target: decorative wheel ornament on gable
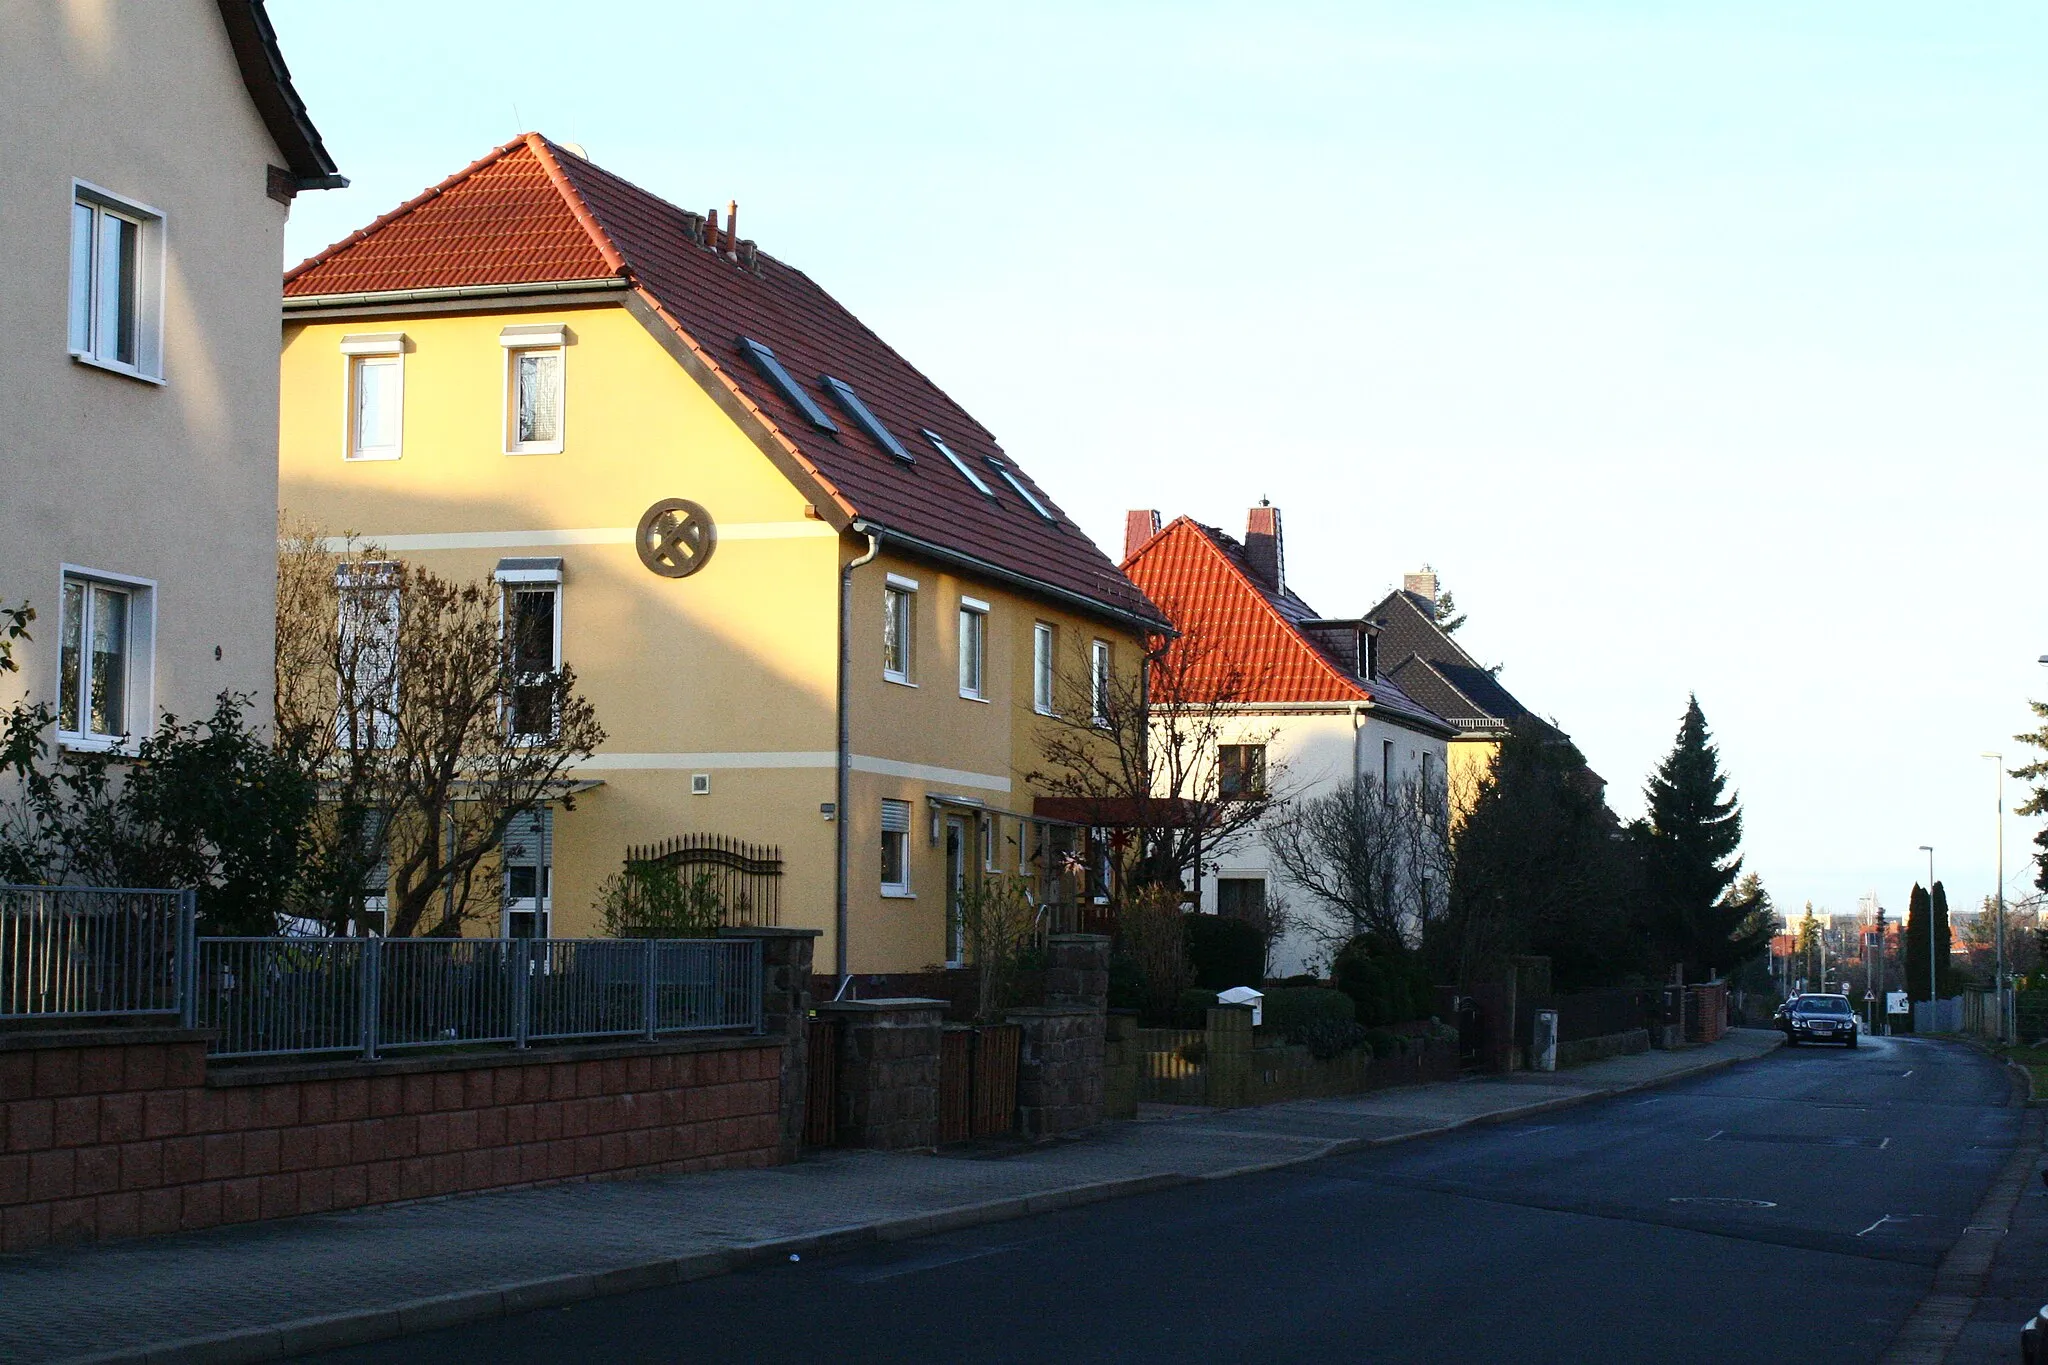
pixel 676 537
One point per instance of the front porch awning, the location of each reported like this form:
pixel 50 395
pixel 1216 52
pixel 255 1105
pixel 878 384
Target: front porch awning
pixel 1122 812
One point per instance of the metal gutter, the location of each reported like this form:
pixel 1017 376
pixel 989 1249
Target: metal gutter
pixel 304 302
pixel 843 776
pixel 1024 582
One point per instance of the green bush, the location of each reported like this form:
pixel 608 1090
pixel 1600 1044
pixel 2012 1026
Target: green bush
pixel 1191 1010
pixel 1389 985
pixel 1126 983
pixel 1385 1043
pixel 1225 952
pixel 1290 1009
pixel 1327 1038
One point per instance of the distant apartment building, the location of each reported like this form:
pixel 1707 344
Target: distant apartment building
pixel 149 153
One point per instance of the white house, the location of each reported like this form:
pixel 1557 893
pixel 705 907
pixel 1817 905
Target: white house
pixel 1307 689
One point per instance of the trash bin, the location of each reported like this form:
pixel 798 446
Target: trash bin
pixel 1245 995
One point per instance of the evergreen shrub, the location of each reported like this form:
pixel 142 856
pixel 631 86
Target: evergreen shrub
pixel 1225 952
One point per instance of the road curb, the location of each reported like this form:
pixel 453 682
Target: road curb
pixel 282 1341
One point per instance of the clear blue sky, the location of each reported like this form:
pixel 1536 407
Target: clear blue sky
pixel 1698 345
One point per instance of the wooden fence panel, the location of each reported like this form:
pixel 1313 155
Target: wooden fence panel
pixel 996 1048
pixel 821 1085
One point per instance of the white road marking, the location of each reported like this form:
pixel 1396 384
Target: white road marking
pixel 1892 1218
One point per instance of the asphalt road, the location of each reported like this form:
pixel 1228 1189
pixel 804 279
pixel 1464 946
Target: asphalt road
pixel 1791 1209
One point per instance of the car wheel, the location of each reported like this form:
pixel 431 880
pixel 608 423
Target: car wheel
pixel 1790 1041
pixel 1852 1040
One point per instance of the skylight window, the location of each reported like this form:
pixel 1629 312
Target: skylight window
pixel 765 361
pixel 981 485
pixel 869 423
pixel 1011 479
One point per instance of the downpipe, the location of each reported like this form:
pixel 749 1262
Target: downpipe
pixel 844 764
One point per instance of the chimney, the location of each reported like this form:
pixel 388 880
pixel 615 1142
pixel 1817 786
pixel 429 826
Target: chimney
pixel 1422 585
pixel 1140 525
pixel 732 229
pixel 1262 546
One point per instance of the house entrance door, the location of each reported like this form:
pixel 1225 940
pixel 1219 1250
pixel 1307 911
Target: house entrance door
pixel 956 886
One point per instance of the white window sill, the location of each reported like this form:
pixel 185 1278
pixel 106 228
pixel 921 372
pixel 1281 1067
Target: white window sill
pixel 899 681
pixel 370 457
pixel 554 448
pixel 974 696
pixel 95 744
pixel 898 893
pixel 1044 711
pixel 114 367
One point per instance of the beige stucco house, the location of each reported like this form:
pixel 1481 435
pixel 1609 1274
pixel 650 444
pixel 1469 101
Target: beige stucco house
pixel 815 604
pixel 149 153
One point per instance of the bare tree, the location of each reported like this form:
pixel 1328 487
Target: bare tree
pixel 414 702
pixel 1373 860
pixel 1152 747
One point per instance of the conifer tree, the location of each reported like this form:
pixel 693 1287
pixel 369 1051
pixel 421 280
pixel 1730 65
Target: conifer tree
pixel 1690 863
pixel 1944 973
pixel 1913 944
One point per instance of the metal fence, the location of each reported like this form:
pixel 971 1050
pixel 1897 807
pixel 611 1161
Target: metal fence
pixel 746 878
pixel 267 996
pixel 69 951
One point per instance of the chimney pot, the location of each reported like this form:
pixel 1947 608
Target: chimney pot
pixel 1140 525
pixel 1263 547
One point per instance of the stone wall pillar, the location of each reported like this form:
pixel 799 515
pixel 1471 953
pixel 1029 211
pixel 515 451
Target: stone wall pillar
pixel 1120 1063
pixel 1077 970
pixel 1228 1040
pixel 785 1012
pixel 1059 1069
pixel 1063 1050
pixel 888 1071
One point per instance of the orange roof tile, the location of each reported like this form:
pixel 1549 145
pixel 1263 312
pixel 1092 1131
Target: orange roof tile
pixel 532 213
pixel 1246 638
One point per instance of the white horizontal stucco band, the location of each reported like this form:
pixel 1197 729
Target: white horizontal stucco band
pixel 588 535
pixel 881 767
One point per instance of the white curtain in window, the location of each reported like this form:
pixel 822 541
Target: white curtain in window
pixel 540 396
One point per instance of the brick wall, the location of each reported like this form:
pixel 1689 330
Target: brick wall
pixel 125 1132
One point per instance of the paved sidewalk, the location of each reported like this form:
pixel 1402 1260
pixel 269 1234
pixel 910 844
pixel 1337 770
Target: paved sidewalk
pixel 265 1291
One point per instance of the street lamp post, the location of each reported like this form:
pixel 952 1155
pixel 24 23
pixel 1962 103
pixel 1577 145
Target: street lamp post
pixel 1933 989
pixel 1999 761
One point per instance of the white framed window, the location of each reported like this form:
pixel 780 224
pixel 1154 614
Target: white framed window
pixel 117 283
pixel 899 602
pixel 1241 897
pixel 375 420
pixel 895 848
pixel 1044 650
pixel 1387 769
pixel 1098 681
pixel 1241 772
pixel 526 859
pixel 991 843
pixel 106 625
pixel 368 607
pixel 535 367
pixel 973 648
pixel 373 894
pixel 530 616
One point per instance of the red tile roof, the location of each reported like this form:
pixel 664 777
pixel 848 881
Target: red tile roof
pixel 1246 637
pixel 533 213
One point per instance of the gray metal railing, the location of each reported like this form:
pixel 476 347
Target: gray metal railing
pixel 267 996
pixel 71 951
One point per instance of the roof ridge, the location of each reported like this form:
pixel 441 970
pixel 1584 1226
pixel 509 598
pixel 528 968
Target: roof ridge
pixel 1301 641
pixel 600 236
pixel 1408 600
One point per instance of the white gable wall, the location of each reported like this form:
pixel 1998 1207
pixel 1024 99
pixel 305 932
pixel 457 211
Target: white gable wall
pixel 1320 751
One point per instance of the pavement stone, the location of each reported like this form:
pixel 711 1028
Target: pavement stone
pixel 269 1290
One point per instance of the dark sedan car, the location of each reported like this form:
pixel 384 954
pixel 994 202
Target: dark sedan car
pixel 1818 1019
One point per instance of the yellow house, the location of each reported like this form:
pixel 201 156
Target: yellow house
pixel 814 603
